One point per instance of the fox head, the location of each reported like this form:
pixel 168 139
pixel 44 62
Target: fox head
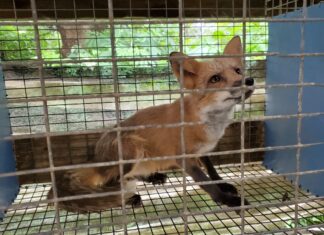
pixel 226 72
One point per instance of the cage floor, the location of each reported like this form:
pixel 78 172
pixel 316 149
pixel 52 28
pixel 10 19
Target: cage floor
pixel 168 204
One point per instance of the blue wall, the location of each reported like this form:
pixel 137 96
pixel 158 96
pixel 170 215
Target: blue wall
pixel 9 186
pixel 285 37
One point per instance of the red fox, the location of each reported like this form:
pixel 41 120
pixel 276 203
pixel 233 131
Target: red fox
pixel 213 109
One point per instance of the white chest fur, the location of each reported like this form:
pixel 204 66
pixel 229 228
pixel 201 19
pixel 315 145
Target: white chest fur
pixel 216 122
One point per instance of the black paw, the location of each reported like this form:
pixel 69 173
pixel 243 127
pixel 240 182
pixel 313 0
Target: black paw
pixel 135 201
pixel 228 188
pixel 235 201
pixel 157 178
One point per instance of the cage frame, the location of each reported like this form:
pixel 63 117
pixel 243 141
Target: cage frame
pixel 116 95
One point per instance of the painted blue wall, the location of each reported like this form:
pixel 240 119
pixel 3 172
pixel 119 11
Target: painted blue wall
pixel 285 37
pixel 8 185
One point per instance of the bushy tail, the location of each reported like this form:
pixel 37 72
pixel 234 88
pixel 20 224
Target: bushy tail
pixel 86 182
pixel 102 179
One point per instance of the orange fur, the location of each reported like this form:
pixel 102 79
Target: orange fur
pixel 156 142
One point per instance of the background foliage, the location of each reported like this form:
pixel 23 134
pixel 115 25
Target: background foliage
pixel 18 43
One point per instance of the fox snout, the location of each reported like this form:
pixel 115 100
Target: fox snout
pixel 237 93
pixel 247 81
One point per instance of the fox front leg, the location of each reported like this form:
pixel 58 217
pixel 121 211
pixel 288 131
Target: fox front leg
pixel 213 190
pixel 225 187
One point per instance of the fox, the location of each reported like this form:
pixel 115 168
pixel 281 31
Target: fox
pixel 217 85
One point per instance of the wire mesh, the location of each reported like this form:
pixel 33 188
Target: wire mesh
pixel 167 204
pixel 79 73
pixel 137 43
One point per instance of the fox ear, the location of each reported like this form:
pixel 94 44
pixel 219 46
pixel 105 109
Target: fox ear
pixel 234 47
pixel 190 68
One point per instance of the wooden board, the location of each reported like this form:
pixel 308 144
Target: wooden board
pixel 254 138
pixel 31 153
pixel 131 8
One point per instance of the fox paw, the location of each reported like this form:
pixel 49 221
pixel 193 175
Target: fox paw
pixel 157 178
pixel 135 201
pixel 228 188
pixel 235 201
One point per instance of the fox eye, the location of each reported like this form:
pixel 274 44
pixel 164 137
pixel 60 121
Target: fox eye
pixel 215 79
pixel 238 71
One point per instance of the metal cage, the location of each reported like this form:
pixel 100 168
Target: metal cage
pixel 72 69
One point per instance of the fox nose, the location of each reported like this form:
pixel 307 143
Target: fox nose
pixel 249 81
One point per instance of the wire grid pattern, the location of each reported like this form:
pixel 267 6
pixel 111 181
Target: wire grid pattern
pixel 284 6
pixel 113 94
pixel 85 70
pixel 167 204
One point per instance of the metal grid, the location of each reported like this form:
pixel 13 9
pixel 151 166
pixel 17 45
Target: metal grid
pixel 77 61
pixel 165 206
pixel 63 79
pixel 40 102
pixel 284 6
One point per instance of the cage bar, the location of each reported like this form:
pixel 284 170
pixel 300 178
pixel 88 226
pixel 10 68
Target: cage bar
pixel 74 69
